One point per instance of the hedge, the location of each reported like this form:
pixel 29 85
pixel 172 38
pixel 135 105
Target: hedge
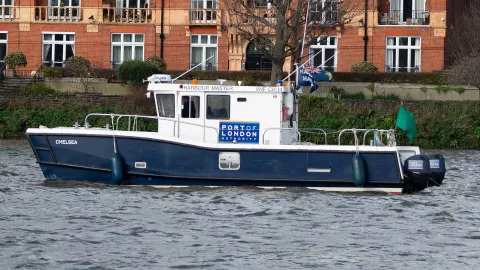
pixel 433 78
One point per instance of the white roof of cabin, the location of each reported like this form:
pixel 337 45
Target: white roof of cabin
pixel 157 87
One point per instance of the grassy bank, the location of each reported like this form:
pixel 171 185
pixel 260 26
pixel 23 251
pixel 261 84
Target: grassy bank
pixel 439 124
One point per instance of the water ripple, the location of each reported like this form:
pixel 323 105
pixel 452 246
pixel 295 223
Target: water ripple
pixel 78 225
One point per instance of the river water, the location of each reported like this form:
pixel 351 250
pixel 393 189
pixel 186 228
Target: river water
pixel 81 226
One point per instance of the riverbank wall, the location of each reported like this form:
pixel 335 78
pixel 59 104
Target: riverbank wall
pixel 440 124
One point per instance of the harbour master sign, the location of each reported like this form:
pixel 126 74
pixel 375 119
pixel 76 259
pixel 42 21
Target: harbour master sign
pixel 239 132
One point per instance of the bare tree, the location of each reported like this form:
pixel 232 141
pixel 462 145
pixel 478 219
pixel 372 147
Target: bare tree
pixel 277 26
pixel 464 47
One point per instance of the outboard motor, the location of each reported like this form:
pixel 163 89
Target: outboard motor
pixel 437 169
pixel 424 171
pixel 417 171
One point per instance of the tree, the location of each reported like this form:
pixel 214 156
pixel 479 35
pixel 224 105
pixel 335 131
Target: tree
pixel 282 23
pixel 464 47
pixel 14 59
pixel 80 67
pixel 133 72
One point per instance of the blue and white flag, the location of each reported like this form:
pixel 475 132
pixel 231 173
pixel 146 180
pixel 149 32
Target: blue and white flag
pixel 309 75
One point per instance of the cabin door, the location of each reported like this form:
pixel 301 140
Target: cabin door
pixel 191 116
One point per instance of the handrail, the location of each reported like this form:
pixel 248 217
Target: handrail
pixel 134 128
pixel 294 129
pixel 375 131
pixel 317 129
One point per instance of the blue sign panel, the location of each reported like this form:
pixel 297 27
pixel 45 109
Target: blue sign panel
pixel 239 132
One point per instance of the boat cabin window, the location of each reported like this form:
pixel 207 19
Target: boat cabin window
pixel 218 107
pixel 190 106
pixel 166 105
pixel 241 99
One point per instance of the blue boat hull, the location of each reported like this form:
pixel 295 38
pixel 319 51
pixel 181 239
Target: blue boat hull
pixel 88 157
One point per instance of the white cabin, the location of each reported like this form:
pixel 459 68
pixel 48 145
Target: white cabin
pixel 225 113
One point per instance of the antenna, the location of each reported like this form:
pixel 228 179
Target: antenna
pixel 192 68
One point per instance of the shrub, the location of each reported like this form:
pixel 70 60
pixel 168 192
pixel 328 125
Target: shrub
pixel 157 61
pixel 37 88
pixel 109 74
pixel 15 59
pixel 363 67
pixel 135 71
pixel 50 71
pixel 79 66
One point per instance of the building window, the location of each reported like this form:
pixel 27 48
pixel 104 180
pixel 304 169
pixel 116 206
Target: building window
pixel 323 12
pixel 203 11
pixel 327 53
pixel 3 45
pixel 202 48
pixel 190 106
pixel 407 11
pixel 166 105
pixel 57 48
pixel 403 54
pixel 126 47
pixel 64 8
pixel 218 107
pixel 132 3
pixel 6 8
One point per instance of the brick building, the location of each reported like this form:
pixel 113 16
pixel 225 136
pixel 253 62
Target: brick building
pixel 396 35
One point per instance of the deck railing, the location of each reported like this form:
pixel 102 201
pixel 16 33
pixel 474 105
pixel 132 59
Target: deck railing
pixel 203 16
pixel 398 17
pixel 127 15
pixel 60 14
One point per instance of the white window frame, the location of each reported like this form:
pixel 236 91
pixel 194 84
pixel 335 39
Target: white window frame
pixel 4 7
pixel 4 41
pixel 203 14
pixel 64 42
pixel 123 44
pixel 66 8
pixel 313 8
pixel 204 50
pixel 125 4
pixel 409 48
pixel 399 3
pixel 322 53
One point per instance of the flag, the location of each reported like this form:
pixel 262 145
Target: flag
pixel 308 75
pixel 406 122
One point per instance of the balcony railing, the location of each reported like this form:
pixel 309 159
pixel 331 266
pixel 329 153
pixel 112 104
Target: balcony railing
pixel 401 69
pixel 203 16
pixel 396 17
pixel 323 17
pixel 127 15
pixel 204 67
pixel 7 13
pixel 60 14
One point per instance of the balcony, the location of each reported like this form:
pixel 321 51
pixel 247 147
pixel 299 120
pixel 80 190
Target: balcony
pixel 127 15
pixel 57 14
pixel 396 17
pixel 7 13
pixel 203 16
pixel 208 66
pixel 389 68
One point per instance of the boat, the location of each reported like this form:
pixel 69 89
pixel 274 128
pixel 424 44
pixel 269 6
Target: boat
pixel 221 135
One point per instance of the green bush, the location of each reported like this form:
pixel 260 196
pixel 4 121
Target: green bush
pixel 157 61
pixel 109 74
pixel 432 78
pixel 79 66
pixel 135 71
pixel 353 96
pixel 15 59
pixel 37 88
pixel 363 67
